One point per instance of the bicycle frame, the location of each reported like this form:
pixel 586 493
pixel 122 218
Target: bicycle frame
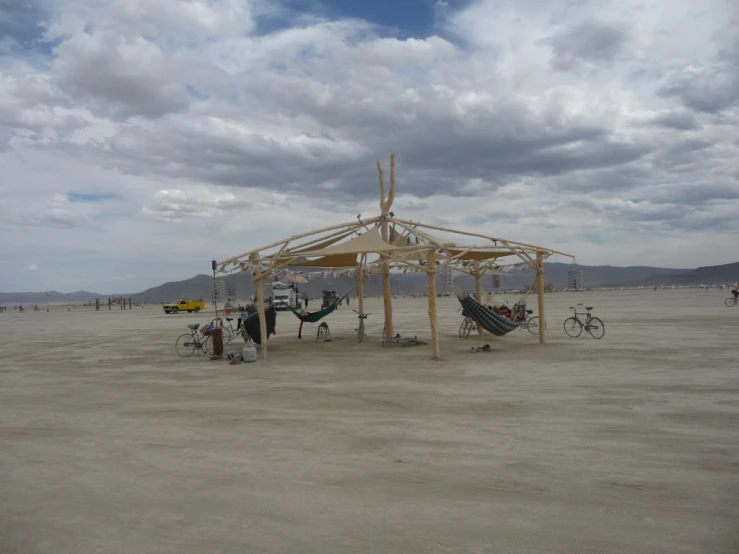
pixel 360 328
pixel 587 315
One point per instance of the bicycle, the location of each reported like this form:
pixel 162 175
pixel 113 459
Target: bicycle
pixel 467 326
pixel 360 329
pixel 732 301
pixel 593 325
pixel 228 330
pixel 531 323
pixel 187 343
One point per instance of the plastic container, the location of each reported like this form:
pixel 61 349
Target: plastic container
pixel 249 352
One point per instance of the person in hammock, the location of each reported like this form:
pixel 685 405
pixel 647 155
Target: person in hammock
pixel 503 310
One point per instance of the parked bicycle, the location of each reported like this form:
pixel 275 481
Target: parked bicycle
pixel 229 331
pixel 593 325
pixel 732 301
pixel 189 343
pixel 531 323
pixel 360 328
pixel 467 326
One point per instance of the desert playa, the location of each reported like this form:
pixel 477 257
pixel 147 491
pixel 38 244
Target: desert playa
pixel 111 443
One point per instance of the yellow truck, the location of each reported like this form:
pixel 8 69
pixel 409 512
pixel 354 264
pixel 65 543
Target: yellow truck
pixel 188 306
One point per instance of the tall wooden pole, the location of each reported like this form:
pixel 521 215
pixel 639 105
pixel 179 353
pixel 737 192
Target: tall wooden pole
pixel 385 205
pixel 478 292
pixel 360 284
pixel 540 295
pixel 431 278
pixel 259 283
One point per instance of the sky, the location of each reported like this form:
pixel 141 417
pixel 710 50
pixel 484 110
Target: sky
pixel 140 139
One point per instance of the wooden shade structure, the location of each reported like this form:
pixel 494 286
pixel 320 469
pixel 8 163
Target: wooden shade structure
pixel 382 243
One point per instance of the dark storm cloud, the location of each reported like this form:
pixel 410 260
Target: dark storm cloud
pixel 438 147
pixel 589 44
pixel 679 120
pixel 693 193
pixel 713 89
pixel 711 86
pixel 119 78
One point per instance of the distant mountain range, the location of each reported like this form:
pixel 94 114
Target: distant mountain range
pixel 200 286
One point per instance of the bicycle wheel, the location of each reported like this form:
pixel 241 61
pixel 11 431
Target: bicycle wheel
pixel 185 345
pixel 532 325
pixel 207 345
pixel 465 328
pixel 573 327
pixel 360 331
pixel 227 335
pixel 730 302
pixel 596 328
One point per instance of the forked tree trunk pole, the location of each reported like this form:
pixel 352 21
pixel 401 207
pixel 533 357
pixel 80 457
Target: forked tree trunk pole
pixel 385 205
pixel 360 285
pixel 259 282
pixel 431 278
pixel 540 295
pixel 478 292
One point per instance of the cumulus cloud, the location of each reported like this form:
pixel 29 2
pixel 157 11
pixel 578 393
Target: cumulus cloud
pixel 244 118
pixel 176 205
pixel 587 45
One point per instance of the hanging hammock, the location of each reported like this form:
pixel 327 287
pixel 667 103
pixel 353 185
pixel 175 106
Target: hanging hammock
pixel 315 317
pixel 492 322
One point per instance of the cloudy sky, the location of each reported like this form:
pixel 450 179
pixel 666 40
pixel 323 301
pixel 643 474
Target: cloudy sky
pixel 140 139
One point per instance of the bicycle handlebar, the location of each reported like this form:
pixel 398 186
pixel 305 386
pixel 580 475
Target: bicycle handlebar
pixel 360 313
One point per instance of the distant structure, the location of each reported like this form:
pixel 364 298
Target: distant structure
pixel 444 279
pixel 497 281
pixel 574 279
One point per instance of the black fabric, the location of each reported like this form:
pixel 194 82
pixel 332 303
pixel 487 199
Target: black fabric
pixel 251 323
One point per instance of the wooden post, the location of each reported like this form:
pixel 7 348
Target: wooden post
pixel 259 283
pixel 540 295
pixel 478 292
pixel 385 205
pixel 360 284
pixel 431 278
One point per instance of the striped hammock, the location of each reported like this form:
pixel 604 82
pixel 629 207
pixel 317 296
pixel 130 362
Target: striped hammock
pixel 492 322
pixel 315 317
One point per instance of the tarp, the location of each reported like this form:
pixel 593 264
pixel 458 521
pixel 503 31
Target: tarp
pixel 479 255
pixel 367 242
pixel 335 261
pixel 320 245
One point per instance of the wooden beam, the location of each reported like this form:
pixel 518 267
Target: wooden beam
pixel 540 296
pixel 259 283
pixel 360 284
pixel 478 292
pixel 391 192
pixel 431 291
pixel 385 205
pixel 479 235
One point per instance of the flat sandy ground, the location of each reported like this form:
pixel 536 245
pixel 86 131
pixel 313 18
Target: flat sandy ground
pixel 110 443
